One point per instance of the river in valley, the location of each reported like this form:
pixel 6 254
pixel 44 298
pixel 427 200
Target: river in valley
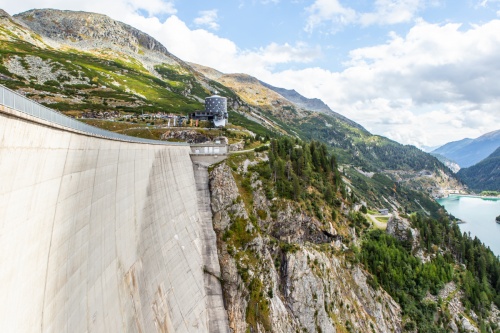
pixel 479 215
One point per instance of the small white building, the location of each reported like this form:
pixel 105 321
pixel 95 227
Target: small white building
pixel 384 211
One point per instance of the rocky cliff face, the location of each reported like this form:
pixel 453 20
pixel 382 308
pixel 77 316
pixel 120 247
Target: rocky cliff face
pixel 281 273
pixel 90 31
pixel 99 34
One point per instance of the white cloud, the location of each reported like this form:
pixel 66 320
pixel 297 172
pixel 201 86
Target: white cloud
pixel 391 12
pixel 435 84
pixel 485 3
pixel 206 48
pixel 328 10
pixel 207 18
pixel 386 12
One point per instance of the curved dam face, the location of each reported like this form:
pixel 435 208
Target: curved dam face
pixel 97 235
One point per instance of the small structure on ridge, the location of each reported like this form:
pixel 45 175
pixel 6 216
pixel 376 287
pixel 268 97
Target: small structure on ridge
pixel 215 111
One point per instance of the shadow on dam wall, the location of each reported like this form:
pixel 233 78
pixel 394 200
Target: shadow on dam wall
pixel 99 235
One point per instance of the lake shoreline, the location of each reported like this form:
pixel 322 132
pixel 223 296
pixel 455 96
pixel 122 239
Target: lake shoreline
pixel 480 213
pixel 472 196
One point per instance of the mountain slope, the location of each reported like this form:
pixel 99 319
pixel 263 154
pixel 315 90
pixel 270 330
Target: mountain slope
pixel 313 104
pixel 452 146
pixel 485 175
pixel 290 256
pixel 79 62
pixel 446 161
pixel 468 152
pixel 255 93
pixel 350 141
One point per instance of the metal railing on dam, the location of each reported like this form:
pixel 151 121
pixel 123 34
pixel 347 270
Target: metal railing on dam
pixel 25 105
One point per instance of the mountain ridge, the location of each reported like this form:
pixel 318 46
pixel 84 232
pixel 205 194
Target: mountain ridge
pixel 77 28
pixel 467 152
pixel 313 104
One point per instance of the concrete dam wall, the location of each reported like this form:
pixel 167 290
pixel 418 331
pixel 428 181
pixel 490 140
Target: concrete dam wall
pixel 100 235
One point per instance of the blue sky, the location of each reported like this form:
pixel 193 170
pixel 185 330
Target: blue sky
pixel 421 72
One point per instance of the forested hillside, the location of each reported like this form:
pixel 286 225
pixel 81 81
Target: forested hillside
pixel 409 280
pixel 358 146
pixel 485 175
pixel 292 199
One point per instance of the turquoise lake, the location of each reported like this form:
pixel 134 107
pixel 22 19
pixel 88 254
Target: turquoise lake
pixel 480 214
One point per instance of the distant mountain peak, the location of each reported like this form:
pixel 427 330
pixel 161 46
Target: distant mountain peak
pixel 84 28
pixel 312 104
pixel 3 13
pixel 467 152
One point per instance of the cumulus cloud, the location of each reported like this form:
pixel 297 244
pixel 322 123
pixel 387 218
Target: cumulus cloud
pixel 391 12
pixel 329 10
pixel 206 48
pixel 207 18
pixel 334 15
pixel 441 78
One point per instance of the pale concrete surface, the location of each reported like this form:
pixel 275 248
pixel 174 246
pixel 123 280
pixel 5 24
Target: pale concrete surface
pixel 97 235
pixel 218 320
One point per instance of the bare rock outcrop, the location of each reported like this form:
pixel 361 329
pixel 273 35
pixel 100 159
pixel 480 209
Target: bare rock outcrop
pixel 33 67
pixel 188 136
pixel 85 29
pixel 287 275
pixel 401 229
